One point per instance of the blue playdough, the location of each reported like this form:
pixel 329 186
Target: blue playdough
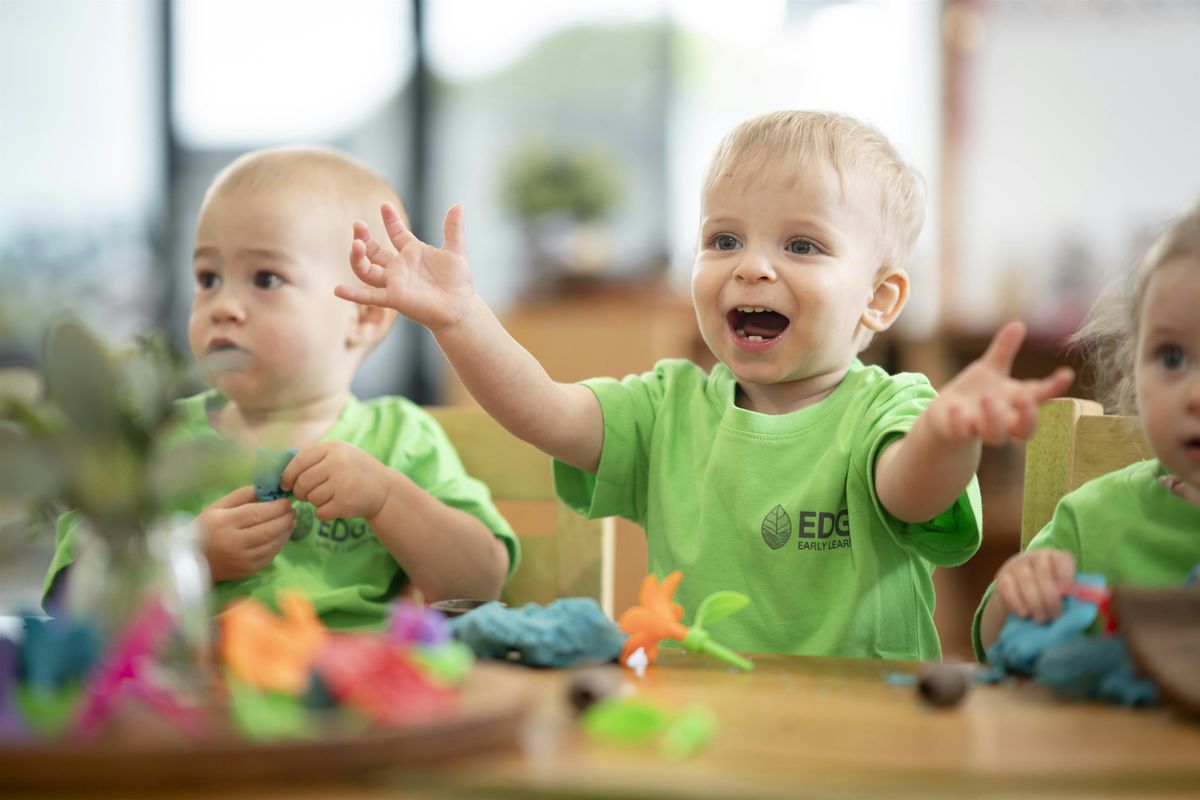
pixel 57 652
pixel 569 632
pixel 268 469
pixel 1098 667
pixel 1022 641
pixel 1072 664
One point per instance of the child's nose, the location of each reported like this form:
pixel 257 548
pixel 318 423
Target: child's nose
pixel 754 265
pixel 1193 393
pixel 227 306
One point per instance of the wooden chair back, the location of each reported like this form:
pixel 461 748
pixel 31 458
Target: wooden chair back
pixel 1075 441
pixel 562 554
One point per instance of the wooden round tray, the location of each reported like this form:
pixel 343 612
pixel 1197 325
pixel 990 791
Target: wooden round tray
pixel 493 703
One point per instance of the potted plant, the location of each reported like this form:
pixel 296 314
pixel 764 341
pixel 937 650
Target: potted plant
pixel 561 198
pixel 95 443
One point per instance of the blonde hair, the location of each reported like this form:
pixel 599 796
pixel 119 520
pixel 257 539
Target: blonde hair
pixel 1109 334
pixel 855 150
pixel 323 172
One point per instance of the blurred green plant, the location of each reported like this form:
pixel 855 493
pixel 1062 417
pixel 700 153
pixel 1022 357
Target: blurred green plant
pixel 541 182
pixel 96 441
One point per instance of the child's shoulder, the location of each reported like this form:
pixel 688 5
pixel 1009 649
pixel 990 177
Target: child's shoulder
pixel 390 413
pixel 874 376
pixel 1138 478
pixel 672 375
pixel 873 390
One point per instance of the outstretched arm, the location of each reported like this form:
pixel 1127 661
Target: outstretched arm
pixel 433 286
pixel 920 475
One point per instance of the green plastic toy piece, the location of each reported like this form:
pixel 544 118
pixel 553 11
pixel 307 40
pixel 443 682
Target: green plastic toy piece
pixel 624 720
pixel 690 731
pixel 446 664
pixel 266 716
pixel 635 721
pixel 717 605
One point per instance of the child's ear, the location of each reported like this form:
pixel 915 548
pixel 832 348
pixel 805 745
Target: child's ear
pixel 887 301
pixel 371 323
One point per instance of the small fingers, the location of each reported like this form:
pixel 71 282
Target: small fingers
pixel 238 497
pixel 265 533
pixel 393 223
pixel 995 419
pixel 307 483
pixel 956 421
pixel 305 460
pixel 363 295
pixel 328 511
pixel 1053 385
pixel 367 271
pixel 321 494
pixel 1049 588
pixel 454 230
pixel 1030 592
pixel 1004 346
pixel 375 253
pixel 1064 569
pixel 1007 586
pixel 1025 420
pixel 254 514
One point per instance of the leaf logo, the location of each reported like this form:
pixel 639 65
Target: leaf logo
pixel 306 521
pixel 776 528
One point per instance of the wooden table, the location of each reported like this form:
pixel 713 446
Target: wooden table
pixel 800 727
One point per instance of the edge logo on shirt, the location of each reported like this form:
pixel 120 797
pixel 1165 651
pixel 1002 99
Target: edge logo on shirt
pixel 332 534
pixel 815 530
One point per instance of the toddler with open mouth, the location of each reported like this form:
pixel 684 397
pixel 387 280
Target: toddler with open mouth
pixel 825 490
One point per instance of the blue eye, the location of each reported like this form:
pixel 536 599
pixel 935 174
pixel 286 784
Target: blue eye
pixel 267 280
pixel 723 241
pixel 802 247
pixel 1171 356
pixel 207 280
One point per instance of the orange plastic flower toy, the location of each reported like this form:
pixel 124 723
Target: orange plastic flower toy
pixel 268 652
pixel 657 617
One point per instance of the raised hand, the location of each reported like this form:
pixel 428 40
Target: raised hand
pixel 985 402
pixel 339 479
pixel 429 285
pixel 1032 584
pixel 242 535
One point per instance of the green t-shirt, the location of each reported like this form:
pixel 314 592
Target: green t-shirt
pixel 779 507
pixel 344 570
pixel 1124 525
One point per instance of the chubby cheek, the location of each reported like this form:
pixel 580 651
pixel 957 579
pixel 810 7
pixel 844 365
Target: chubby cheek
pixel 1155 415
pixel 708 312
pixel 196 330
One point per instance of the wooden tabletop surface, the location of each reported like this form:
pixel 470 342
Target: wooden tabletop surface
pixel 800 727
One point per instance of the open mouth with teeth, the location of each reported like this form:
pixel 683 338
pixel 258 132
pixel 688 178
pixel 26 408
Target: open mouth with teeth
pixel 756 323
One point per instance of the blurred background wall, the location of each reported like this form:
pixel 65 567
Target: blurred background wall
pixel 1054 135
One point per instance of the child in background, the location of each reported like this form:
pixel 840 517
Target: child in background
pixel 1141 524
pixel 384 500
pixel 823 489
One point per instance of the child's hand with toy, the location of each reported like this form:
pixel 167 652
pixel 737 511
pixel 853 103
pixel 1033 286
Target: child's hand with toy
pixel 339 479
pixel 1032 584
pixel 243 535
